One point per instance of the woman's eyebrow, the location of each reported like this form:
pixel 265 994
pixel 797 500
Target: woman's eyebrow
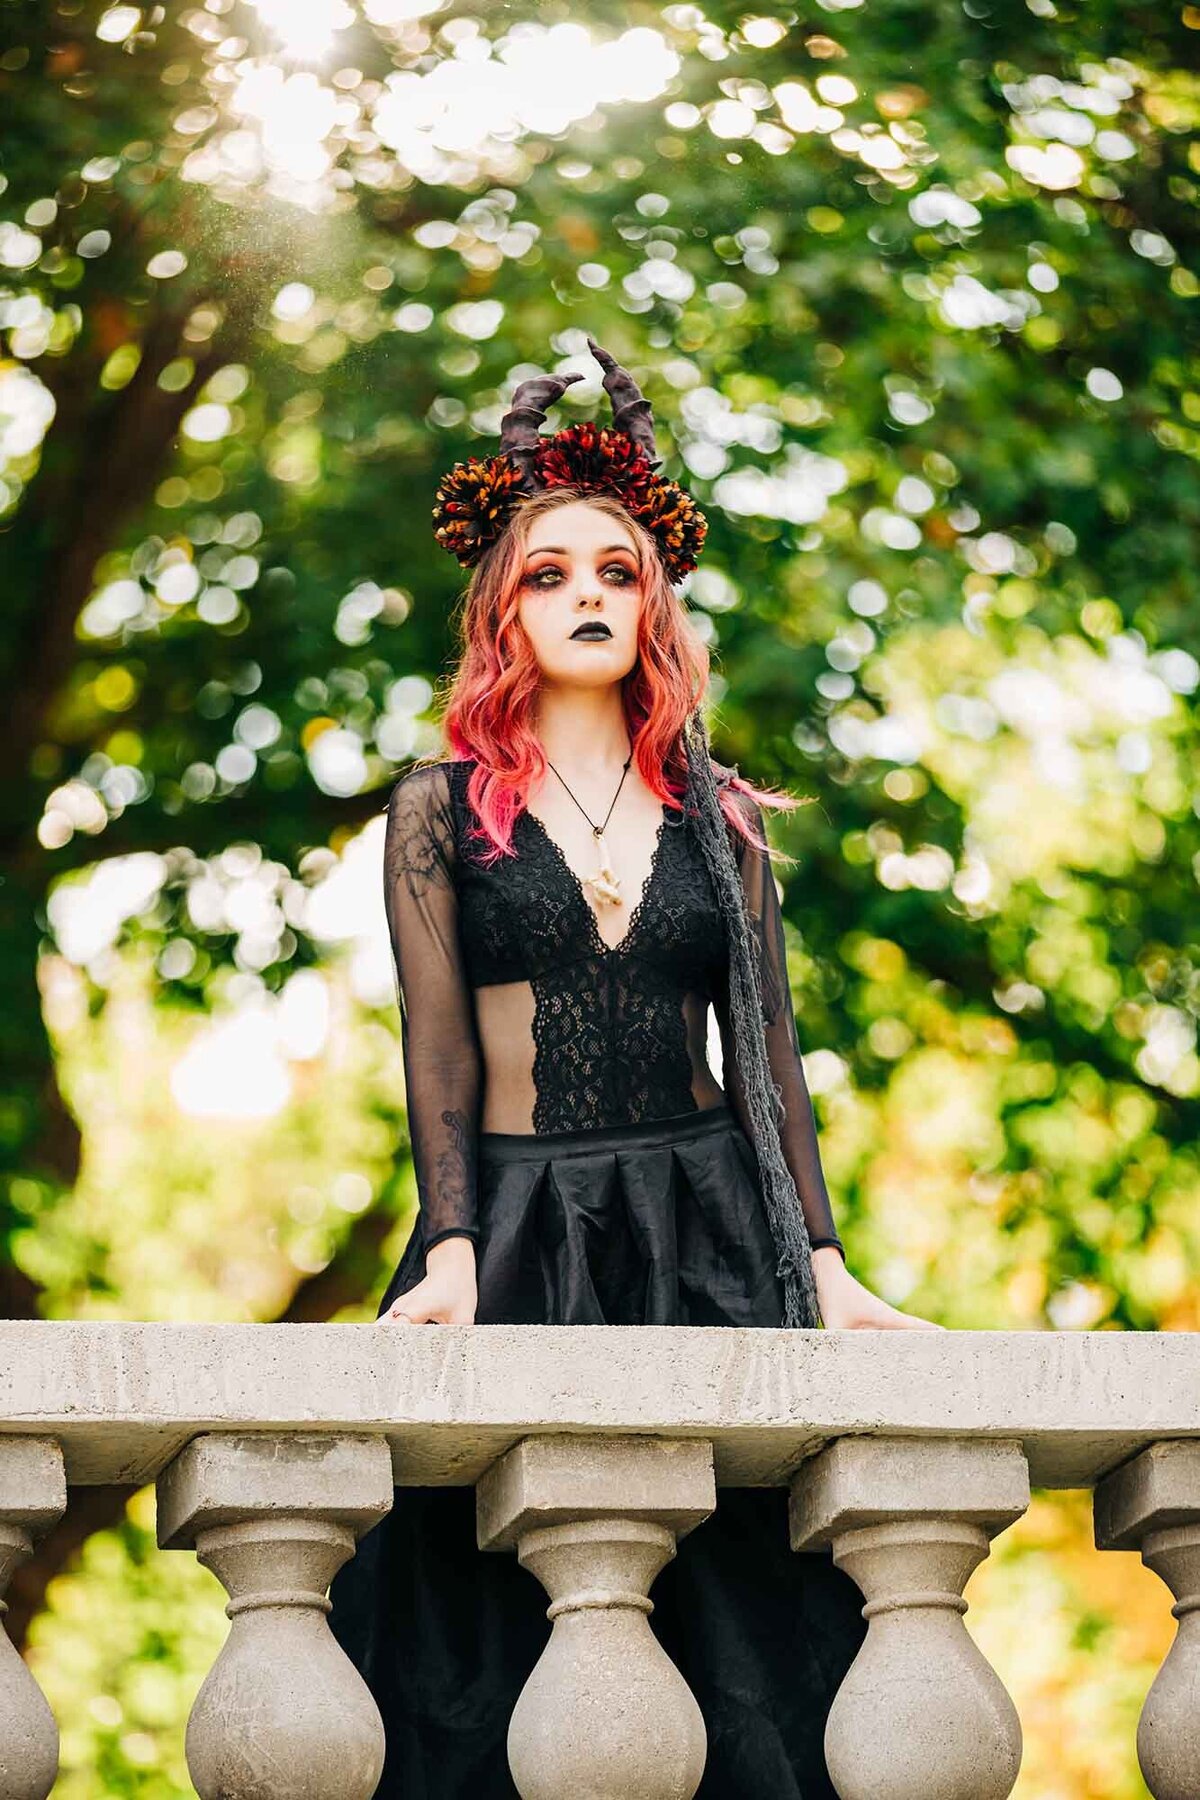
pixel 560 550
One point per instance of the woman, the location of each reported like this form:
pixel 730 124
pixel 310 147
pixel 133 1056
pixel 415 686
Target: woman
pixel 567 895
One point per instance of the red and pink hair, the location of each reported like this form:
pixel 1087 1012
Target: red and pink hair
pixel 490 704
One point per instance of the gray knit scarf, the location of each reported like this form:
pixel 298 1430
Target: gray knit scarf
pixel 764 1099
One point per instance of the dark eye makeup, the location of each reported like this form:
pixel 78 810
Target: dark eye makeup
pixel 533 578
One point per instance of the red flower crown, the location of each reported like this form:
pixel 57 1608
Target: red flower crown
pixel 476 499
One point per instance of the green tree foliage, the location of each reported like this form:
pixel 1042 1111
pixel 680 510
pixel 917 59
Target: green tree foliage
pixel 913 290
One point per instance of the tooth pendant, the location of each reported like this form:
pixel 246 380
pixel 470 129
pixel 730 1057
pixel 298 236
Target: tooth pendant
pixel 604 884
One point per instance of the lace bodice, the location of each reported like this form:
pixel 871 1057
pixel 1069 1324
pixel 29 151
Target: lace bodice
pixel 516 1016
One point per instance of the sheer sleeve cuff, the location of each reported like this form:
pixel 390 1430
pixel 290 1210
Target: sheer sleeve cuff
pixel 819 1243
pixel 449 1231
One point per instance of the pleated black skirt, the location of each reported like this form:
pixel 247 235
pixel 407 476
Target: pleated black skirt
pixel 659 1223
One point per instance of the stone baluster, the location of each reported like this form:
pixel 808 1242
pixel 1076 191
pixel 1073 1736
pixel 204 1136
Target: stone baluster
pixel 283 1714
pixel 921 1715
pixel 605 1713
pixel 1152 1504
pixel 33 1495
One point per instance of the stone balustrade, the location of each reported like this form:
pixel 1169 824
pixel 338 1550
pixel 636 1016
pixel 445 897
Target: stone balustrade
pixel 592 1450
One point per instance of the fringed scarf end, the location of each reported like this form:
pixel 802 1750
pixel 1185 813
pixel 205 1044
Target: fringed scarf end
pixel 801 1311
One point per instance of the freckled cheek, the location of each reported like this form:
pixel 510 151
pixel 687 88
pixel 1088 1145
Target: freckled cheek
pixel 544 629
pixel 631 619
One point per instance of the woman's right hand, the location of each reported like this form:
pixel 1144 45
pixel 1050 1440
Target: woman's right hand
pixel 447 1296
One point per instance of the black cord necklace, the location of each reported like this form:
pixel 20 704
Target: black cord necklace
pixel 604 884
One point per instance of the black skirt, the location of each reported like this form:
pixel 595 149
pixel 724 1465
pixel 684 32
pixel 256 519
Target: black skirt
pixel 660 1223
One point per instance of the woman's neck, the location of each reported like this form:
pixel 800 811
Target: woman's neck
pixel 583 728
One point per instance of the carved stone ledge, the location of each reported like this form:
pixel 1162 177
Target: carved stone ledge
pixel 921 1712
pixel 33 1495
pixel 1152 1504
pixel 283 1714
pixel 605 1713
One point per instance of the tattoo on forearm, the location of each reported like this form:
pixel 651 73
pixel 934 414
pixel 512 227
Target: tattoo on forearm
pixel 454 1165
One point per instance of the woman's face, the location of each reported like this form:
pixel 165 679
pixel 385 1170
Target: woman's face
pixel 580 568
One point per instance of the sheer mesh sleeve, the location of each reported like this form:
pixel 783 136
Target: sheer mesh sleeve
pixel 798 1133
pixel 442 1062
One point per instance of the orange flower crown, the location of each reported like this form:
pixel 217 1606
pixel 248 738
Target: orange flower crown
pixel 476 498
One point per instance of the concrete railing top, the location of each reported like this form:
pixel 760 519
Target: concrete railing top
pixel 123 1398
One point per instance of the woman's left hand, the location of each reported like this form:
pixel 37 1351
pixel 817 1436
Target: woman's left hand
pixel 846 1305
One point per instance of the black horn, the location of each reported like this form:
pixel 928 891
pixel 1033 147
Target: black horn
pixel 521 426
pixel 631 412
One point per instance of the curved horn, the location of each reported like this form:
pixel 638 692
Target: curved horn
pixel 521 426
pixel 631 412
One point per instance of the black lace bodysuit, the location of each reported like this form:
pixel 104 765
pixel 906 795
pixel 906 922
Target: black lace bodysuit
pixel 516 1015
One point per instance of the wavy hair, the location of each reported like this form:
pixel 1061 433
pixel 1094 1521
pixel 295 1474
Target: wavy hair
pixel 489 709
